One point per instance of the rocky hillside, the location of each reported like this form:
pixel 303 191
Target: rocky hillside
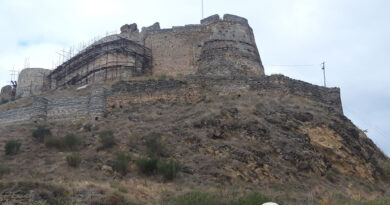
pixel 292 148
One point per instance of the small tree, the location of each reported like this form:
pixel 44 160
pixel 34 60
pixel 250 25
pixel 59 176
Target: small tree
pixel 41 133
pixel 12 147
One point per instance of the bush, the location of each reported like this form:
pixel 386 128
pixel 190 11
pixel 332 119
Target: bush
pixel 4 170
pixel 54 142
pixel 12 147
pixel 147 166
pixel 154 145
pixel 121 163
pixel 73 160
pixel 41 133
pixel 196 198
pixel 69 142
pixel 3 101
pixel 107 139
pixel 253 198
pixel 169 169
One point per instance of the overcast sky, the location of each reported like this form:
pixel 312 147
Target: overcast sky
pixel 352 36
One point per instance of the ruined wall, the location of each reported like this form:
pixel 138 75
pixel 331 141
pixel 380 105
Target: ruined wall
pixel 32 81
pixel 74 108
pixel 111 59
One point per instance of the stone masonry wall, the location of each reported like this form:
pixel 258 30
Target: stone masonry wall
pixel 193 88
pixel 74 108
pixel 214 47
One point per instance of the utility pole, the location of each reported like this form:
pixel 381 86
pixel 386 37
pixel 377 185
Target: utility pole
pixel 323 69
pixel 202 9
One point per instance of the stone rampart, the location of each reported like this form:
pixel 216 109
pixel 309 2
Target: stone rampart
pixel 73 108
pixel 198 87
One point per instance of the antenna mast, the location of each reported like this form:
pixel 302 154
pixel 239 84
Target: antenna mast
pixel 202 10
pixel 323 69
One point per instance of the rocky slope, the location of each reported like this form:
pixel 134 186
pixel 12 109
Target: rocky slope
pixel 295 149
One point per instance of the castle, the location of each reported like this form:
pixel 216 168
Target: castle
pixel 215 48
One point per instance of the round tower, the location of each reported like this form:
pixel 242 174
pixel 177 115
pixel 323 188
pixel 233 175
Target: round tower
pixel 32 81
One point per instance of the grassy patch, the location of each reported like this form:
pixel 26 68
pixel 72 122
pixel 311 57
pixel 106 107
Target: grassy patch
pixel 121 163
pixel 196 198
pixel 253 198
pixel 12 147
pixel 73 160
pixel 69 142
pixel 154 145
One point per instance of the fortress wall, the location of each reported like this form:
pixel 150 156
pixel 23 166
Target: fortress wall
pixel 16 116
pixel 32 81
pixel 176 51
pixel 68 108
pixel 74 108
pixel 125 94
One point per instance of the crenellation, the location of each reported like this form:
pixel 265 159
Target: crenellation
pixel 210 20
pixel 234 18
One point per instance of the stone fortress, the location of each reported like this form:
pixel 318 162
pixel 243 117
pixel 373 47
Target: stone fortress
pixel 215 49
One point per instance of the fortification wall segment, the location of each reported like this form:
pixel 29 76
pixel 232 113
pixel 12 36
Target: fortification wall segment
pixel 71 108
pixel 32 81
pixel 199 87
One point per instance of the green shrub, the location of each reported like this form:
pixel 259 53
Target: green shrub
pixel 107 139
pixel 154 145
pixel 253 198
pixel 69 142
pixel 12 147
pixel 146 165
pixel 4 170
pixel 54 142
pixel 196 198
pixel 121 163
pixel 169 169
pixel 41 133
pixel 3 101
pixel 73 160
